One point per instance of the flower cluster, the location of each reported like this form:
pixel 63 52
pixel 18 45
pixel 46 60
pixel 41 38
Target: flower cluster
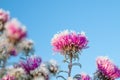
pixel 107 68
pixel 12 42
pixel 12 34
pixel 31 68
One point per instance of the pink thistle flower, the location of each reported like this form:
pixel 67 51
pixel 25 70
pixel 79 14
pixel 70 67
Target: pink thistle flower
pixel 107 68
pixel 85 77
pixel 31 63
pixel 68 41
pixel 8 77
pixel 4 15
pixel 14 30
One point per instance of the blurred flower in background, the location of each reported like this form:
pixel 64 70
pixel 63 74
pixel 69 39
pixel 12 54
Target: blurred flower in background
pixel 15 31
pixel 12 42
pixel 31 63
pixel 53 66
pixel 26 46
pixel 8 77
pixel 4 17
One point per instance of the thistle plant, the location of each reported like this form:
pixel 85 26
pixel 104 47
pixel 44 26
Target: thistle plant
pixel 12 34
pixel 69 44
pixel 107 70
pixel 13 41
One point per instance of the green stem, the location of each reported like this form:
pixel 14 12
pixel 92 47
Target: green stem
pixel 70 66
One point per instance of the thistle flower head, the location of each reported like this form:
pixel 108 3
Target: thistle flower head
pixel 14 30
pixel 8 77
pixel 4 15
pixel 69 42
pixel 30 63
pixel 85 76
pixel 107 68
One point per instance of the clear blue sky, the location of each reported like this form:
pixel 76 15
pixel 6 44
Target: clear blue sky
pixel 100 19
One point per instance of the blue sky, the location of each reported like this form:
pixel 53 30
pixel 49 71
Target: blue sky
pixel 100 19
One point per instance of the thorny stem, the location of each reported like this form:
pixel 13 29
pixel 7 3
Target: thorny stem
pixel 70 65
